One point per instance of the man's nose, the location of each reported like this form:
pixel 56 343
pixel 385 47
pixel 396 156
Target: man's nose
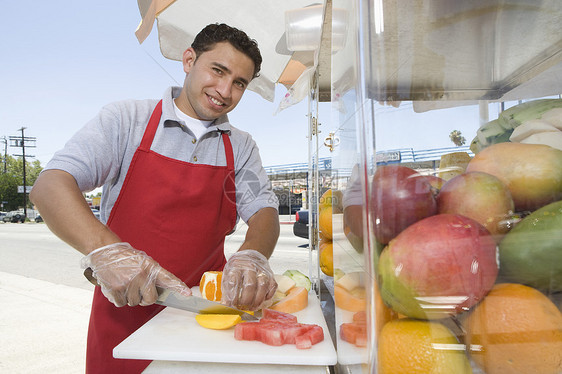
pixel 224 88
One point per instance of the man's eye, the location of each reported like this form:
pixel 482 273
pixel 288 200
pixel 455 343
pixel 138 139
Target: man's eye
pixel 240 85
pixel 217 70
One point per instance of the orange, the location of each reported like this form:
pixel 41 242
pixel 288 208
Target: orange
pixel 327 258
pixel 325 222
pixel 331 198
pixel 408 346
pixel 383 313
pixel 210 285
pixel 325 200
pixel 516 329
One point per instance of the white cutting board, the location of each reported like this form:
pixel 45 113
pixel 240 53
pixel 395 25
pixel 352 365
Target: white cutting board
pixel 174 335
pixel 348 354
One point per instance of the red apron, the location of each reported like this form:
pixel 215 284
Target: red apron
pixel 179 214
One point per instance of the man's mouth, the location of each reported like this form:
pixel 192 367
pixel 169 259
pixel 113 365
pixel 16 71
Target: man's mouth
pixel 215 101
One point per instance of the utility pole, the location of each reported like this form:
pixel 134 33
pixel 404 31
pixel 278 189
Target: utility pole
pixel 5 141
pixel 21 142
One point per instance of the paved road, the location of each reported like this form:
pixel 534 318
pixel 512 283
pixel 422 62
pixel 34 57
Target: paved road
pixel 32 251
pixel 46 300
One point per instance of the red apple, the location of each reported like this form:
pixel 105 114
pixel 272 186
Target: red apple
pixel 438 267
pixel 400 196
pixel 480 196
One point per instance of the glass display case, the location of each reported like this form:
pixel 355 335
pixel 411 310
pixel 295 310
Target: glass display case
pixel 446 189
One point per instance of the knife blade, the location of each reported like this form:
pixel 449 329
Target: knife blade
pixel 195 304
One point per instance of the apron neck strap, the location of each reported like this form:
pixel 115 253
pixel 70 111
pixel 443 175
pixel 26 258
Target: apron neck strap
pixel 148 136
pixel 152 126
pixel 228 150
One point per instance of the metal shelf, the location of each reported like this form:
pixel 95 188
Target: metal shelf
pixel 452 50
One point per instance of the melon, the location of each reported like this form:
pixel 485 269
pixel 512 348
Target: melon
pixel 296 300
pixel 353 301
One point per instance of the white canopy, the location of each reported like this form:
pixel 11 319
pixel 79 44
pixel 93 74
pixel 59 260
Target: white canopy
pixel 178 21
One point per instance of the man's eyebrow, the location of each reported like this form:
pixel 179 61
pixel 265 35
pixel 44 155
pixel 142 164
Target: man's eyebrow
pixel 224 68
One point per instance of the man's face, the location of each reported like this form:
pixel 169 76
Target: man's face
pixel 215 81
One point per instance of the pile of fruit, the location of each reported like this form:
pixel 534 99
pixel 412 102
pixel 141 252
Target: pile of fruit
pixel 291 296
pixel 329 203
pixel 473 266
pixel 532 122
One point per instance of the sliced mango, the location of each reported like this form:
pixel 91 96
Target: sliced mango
pixel 218 321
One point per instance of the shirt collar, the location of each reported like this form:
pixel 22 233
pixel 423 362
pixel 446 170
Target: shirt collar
pixel 169 114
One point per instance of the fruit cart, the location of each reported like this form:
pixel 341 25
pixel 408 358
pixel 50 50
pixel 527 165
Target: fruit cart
pixel 439 233
pixel 446 236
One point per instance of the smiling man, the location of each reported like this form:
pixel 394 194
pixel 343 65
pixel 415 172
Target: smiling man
pixel 173 173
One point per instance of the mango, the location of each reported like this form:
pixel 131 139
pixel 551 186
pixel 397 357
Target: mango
pixel 480 196
pixel 532 172
pixel 218 321
pixel 438 267
pixel 531 253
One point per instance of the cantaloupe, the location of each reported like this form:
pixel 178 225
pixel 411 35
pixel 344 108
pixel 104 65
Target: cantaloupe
pixel 296 300
pixel 353 301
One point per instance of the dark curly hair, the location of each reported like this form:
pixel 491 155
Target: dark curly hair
pixel 215 33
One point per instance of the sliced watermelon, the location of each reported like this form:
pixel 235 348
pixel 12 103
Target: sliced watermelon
pixel 360 316
pixel 278 328
pixel 270 314
pixel 355 332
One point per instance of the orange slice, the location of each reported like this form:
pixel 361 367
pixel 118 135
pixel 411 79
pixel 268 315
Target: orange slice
pixel 210 285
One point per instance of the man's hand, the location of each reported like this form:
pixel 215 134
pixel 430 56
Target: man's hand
pixel 247 281
pixel 128 276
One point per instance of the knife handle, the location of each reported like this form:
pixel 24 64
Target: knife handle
pixel 89 274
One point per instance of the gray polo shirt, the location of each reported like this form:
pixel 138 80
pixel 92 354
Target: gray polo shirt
pixel 99 154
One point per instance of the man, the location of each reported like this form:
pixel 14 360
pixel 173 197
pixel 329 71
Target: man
pixel 175 175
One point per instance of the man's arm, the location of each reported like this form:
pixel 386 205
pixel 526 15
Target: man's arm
pixel 63 208
pixel 263 231
pixel 248 282
pixel 125 274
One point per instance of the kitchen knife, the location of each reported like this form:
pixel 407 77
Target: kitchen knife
pixel 193 304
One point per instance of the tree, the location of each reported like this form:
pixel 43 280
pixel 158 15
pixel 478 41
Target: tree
pixel 457 138
pixel 13 177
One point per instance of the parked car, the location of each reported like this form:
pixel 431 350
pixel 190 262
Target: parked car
pixel 96 212
pixel 2 214
pixel 300 227
pixel 14 217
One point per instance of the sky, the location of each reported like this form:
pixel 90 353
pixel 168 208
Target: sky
pixel 63 60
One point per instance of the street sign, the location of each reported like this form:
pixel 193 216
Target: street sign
pixel 392 156
pixel 27 189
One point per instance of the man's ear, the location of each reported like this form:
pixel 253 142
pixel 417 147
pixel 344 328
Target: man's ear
pixel 188 59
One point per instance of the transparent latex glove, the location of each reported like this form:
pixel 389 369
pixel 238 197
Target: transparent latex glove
pixel 128 276
pixel 247 281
